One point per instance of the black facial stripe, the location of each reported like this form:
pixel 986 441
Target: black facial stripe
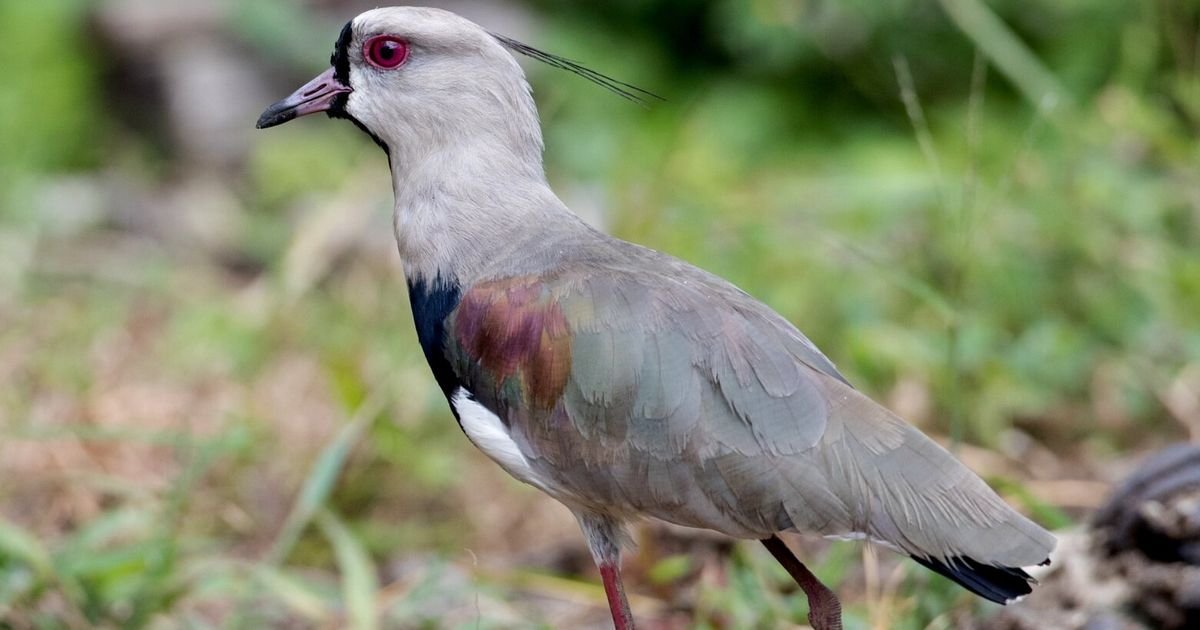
pixel 337 109
pixel 379 141
pixel 340 59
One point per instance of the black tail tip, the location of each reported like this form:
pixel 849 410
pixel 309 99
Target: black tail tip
pixel 998 584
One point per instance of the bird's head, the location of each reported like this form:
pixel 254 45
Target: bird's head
pixel 417 80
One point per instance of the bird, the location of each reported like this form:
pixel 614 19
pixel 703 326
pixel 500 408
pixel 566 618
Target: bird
pixel 619 380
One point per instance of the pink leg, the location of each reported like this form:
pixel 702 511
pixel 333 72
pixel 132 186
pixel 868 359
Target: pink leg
pixel 610 573
pixel 824 609
pixel 604 535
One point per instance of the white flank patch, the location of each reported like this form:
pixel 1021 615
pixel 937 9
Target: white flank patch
pixel 489 435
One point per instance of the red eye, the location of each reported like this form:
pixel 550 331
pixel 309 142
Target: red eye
pixel 385 51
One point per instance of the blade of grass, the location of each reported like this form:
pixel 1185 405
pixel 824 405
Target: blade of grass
pixel 916 114
pixel 294 594
pixel 316 489
pixel 360 586
pixel 160 583
pixel 99 532
pixel 97 434
pixel 18 543
pixel 890 272
pixel 92 548
pixel 958 217
pixel 320 481
pixel 1006 51
pixel 963 255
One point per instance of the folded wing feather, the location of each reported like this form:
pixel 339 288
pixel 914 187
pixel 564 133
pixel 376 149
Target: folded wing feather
pixel 683 398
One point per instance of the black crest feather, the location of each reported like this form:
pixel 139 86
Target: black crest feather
pixel 620 88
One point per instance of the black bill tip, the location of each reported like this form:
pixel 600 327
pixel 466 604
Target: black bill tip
pixel 276 114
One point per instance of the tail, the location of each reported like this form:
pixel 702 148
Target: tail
pixel 998 584
pixel 875 476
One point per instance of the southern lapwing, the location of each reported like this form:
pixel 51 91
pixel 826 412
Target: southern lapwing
pixel 621 381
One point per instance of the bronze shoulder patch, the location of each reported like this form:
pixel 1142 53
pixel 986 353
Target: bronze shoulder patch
pixel 514 328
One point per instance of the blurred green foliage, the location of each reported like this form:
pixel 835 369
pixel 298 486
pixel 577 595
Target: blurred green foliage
pixel 50 114
pixel 996 203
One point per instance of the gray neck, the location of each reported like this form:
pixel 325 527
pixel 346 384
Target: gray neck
pixel 462 208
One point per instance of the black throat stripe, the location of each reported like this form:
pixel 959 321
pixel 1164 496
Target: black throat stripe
pixel 432 302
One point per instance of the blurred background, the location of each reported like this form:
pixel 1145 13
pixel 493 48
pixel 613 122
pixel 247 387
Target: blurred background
pixel 214 412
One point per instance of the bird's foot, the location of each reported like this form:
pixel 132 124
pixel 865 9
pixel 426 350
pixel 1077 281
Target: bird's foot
pixel 824 608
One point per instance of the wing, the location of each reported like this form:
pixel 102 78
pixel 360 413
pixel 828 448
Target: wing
pixel 676 395
pixel 662 365
pixel 643 392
